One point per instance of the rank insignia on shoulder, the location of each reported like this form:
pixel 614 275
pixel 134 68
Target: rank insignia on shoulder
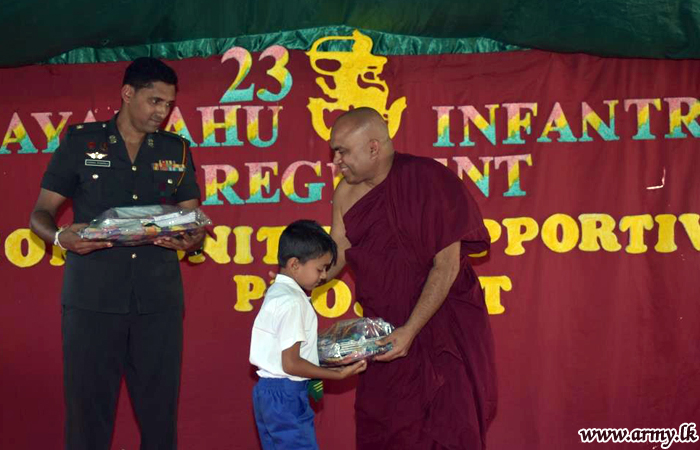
pixel 168 166
pixel 85 128
pixel 98 163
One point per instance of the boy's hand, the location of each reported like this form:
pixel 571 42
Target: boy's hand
pixel 352 369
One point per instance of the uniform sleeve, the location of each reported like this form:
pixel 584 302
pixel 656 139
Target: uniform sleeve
pixel 61 176
pixel 188 189
pixel 291 324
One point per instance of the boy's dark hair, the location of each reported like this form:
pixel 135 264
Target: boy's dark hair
pixel 144 71
pixel 305 240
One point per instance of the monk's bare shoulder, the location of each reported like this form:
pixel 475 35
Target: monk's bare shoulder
pixel 346 195
pixel 342 196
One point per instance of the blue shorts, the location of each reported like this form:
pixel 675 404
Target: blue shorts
pixel 283 415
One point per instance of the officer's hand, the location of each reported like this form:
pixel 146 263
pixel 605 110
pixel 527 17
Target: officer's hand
pixel 70 240
pixel 401 340
pixel 186 241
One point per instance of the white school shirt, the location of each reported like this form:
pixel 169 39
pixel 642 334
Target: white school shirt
pixel 285 318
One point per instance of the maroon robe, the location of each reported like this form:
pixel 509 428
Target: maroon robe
pixel 443 393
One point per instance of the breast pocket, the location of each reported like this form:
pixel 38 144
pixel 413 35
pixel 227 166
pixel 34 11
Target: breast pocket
pixel 165 185
pixel 103 187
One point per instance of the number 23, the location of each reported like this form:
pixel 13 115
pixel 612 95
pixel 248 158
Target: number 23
pixel 279 72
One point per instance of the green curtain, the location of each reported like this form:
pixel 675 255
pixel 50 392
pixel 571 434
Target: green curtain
pixel 82 31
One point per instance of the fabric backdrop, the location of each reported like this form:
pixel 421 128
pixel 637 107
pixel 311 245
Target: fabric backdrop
pixel 585 170
pixel 34 31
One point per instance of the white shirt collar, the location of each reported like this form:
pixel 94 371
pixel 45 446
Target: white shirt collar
pixel 289 281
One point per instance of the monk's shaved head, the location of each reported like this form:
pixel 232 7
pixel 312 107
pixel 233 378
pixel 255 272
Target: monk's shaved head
pixel 362 148
pixel 366 121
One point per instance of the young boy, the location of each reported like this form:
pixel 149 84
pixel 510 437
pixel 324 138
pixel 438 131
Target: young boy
pixel 283 342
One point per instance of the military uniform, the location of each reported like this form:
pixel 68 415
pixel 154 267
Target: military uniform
pixel 122 306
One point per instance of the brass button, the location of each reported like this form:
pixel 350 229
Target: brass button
pixel 135 197
pixel 133 168
pixel 133 256
pixel 170 181
pixel 95 176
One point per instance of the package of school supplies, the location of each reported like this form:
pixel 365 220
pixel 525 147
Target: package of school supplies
pixel 352 340
pixel 138 225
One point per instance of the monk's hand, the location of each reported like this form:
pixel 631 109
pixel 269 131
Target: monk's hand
pixel 401 340
pixel 186 241
pixel 70 240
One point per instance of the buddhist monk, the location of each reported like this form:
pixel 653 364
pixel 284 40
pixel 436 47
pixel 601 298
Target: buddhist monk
pixel 405 225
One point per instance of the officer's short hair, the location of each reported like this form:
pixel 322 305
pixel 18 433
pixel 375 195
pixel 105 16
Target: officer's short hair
pixel 305 240
pixel 144 71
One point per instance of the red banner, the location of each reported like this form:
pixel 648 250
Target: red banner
pixel 584 169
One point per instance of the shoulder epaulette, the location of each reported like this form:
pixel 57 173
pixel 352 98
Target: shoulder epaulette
pixel 173 135
pixel 90 127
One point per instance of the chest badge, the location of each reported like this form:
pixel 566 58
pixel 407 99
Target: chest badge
pixel 169 166
pixel 96 155
pixel 98 163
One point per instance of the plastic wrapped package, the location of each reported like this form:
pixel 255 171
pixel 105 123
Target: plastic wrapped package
pixel 137 225
pixel 351 340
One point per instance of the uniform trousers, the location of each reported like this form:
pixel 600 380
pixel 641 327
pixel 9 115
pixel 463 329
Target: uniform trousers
pixel 100 348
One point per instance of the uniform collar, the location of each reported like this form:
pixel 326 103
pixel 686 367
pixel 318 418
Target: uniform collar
pixel 114 136
pixel 112 131
pixel 289 281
